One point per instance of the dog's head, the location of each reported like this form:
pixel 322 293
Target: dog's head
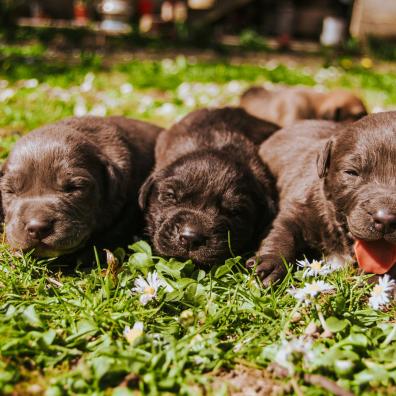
pixel 341 106
pixel 205 203
pixel 54 190
pixel 358 166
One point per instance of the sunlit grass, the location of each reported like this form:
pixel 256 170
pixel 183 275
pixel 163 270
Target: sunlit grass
pixel 62 330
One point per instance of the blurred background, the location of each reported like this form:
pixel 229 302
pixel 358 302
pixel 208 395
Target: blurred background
pixel 275 23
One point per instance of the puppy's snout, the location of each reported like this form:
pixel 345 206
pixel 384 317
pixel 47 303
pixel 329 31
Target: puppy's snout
pixel 384 221
pixel 190 236
pixel 39 228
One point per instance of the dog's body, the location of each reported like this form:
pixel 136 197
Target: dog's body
pixel 342 203
pixel 286 105
pixel 209 181
pixel 76 181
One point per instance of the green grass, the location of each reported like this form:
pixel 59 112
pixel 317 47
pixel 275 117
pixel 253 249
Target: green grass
pixel 61 330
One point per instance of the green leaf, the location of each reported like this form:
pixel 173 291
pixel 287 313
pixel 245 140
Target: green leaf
pixel 31 317
pixel 355 339
pixel 49 337
pixel 164 268
pixel 335 325
pixel 122 391
pixel 101 365
pixel 141 247
pixel 375 373
pixel 201 275
pixel 141 261
pixel 84 328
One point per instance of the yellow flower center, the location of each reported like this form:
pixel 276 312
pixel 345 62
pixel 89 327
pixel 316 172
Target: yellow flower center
pixel 314 287
pixel 149 290
pixel 132 335
pixel 316 265
pixel 378 290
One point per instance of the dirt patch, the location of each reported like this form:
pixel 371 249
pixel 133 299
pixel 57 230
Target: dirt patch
pixel 247 381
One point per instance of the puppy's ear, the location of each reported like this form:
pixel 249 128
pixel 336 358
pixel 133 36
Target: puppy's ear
pixel 323 159
pixel 331 114
pixel 114 186
pixel 145 190
pixel 264 186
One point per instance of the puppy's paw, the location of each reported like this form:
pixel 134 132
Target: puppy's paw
pixel 270 269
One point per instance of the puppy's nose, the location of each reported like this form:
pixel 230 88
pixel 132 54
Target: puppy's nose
pixel 38 228
pixel 190 236
pixel 384 221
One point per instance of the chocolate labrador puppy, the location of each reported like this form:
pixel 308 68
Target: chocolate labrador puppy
pixel 337 191
pixel 286 105
pixel 209 190
pixel 74 182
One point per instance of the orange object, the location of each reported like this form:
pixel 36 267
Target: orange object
pixel 376 257
pixel 80 10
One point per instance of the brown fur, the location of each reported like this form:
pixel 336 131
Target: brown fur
pixel 287 105
pixel 326 204
pixel 76 182
pixel 209 181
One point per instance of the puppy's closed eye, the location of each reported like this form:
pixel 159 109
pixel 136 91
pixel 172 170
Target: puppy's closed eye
pixel 75 185
pixel 168 195
pixel 11 185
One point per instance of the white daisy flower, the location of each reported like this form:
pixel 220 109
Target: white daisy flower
pixel 167 109
pixel 184 90
pixel 380 294
pixel 148 288
pixel 198 360
pixel 212 89
pixel 86 86
pixel 98 110
pixel 190 101
pixel 80 108
pixel 126 88
pixel 6 94
pixel 310 290
pixel 337 261
pixel 32 83
pixel 132 334
pixel 298 294
pixel 234 87
pixel 314 268
pixel 3 268
pixel 378 109
pixel 292 350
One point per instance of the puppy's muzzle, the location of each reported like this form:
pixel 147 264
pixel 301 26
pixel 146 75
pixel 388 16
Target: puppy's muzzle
pixel 39 228
pixel 190 236
pixel 384 221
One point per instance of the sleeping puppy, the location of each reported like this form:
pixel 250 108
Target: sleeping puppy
pixel 289 104
pixel 209 185
pixel 337 191
pixel 74 182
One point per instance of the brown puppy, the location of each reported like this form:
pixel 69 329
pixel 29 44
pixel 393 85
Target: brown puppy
pixel 209 184
pixel 337 195
pixel 287 105
pixel 76 181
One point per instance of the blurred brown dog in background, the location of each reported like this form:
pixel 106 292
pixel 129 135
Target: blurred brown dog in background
pixel 286 105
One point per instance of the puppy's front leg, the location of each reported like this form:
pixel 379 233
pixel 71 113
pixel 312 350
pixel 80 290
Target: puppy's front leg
pixel 281 244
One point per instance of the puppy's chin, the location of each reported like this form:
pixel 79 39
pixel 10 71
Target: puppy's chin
pixel 215 251
pixel 48 249
pixel 46 252
pixel 367 232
